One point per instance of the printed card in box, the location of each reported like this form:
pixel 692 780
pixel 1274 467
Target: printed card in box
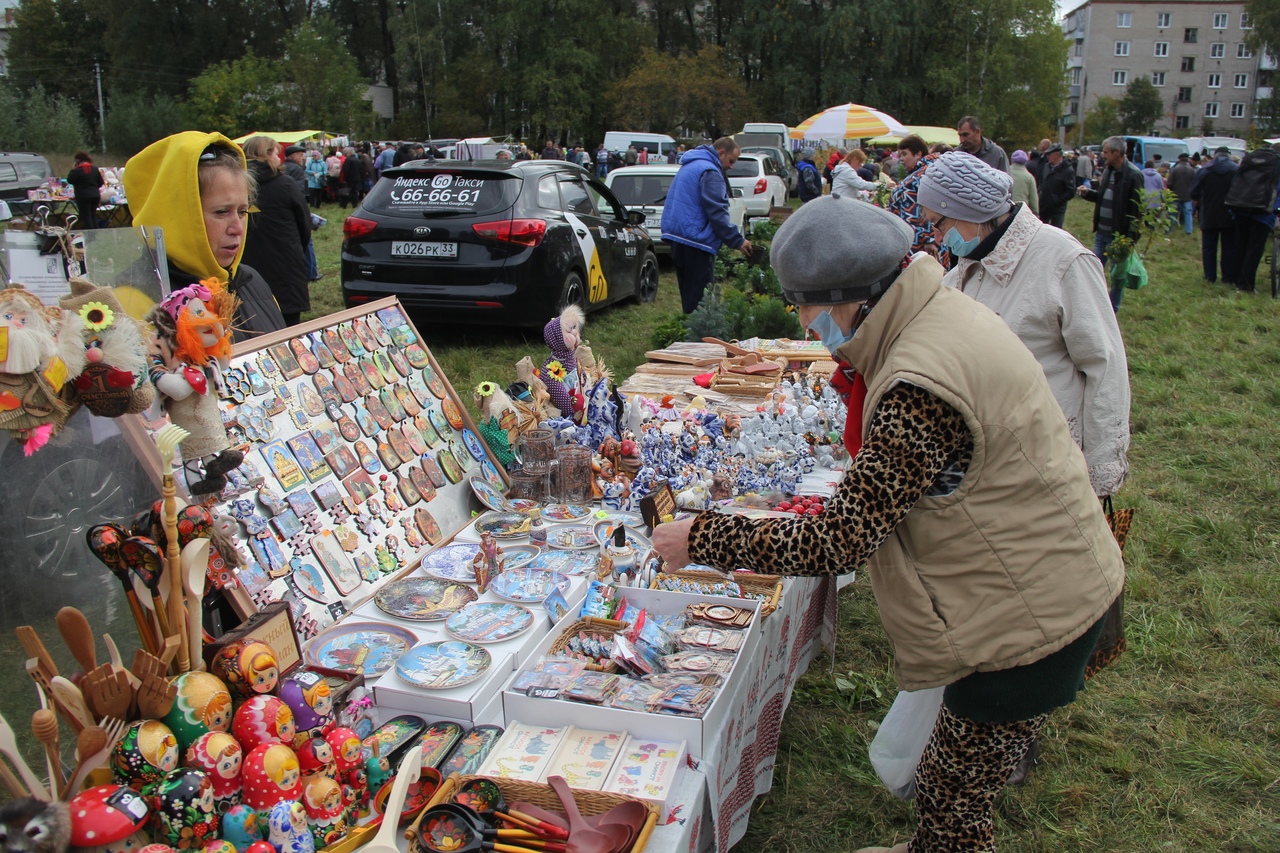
pixel 524 752
pixel 647 769
pixel 585 758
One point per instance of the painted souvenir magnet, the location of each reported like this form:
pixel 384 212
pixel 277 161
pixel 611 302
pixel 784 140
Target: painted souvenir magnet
pixel 308 454
pixel 281 463
pixel 360 486
pixel 336 562
pixel 289 367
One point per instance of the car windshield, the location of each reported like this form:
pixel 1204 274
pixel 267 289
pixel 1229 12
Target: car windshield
pixel 444 191
pixel 746 167
pixel 641 189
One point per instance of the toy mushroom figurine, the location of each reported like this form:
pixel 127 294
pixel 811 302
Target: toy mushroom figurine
pixel 242 826
pixel 271 775
pixel 144 755
pixel 263 720
pixel 183 813
pixel 248 667
pixel 108 819
pixel 221 756
pixel 287 829
pixel 202 705
pixel 322 801
pixel 307 694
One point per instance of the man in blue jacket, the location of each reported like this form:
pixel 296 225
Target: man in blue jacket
pixel 695 218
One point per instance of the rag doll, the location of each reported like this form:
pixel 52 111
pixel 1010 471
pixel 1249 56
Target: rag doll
pixel 114 381
pixel 560 370
pixel 40 350
pixel 190 351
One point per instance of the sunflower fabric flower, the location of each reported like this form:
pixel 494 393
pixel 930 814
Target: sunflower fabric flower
pixel 96 316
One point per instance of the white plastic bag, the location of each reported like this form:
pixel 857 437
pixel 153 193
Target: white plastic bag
pixel 896 749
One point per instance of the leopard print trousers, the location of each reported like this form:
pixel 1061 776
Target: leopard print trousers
pixel 963 769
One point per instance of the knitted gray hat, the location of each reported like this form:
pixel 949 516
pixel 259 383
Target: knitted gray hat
pixel 960 186
pixel 836 249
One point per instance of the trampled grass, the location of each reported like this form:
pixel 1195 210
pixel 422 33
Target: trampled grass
pixel 1176 747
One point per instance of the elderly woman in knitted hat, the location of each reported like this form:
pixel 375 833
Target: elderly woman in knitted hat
pixel 991 561
pixel 1051 292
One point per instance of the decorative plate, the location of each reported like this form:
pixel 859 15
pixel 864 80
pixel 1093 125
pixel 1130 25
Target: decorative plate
pixel 370 648
pixel 617 516
pixel 603 531
pixel 577 537
pixel 527 585
pixel 566 562
pixel 452 412
pixel 449 464
pixel 474 446
pixel 565 512
pixel 441 666
pixel 488 495
pixel 504 525
pixel 423 599
pixel 489 622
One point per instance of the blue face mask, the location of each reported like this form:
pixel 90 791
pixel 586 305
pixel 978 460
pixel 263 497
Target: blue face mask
pixel 960 248
pixel 829 332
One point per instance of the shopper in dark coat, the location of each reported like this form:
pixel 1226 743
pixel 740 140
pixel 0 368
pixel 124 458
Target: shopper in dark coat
pixel 279 228
pixel 1210 189
pixel 86 181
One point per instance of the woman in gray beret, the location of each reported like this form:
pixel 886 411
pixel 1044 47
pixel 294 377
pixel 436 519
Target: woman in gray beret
pixel 991 561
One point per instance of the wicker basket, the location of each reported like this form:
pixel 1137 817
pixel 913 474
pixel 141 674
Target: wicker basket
pixel 590 803
pixel 768 586
pixel 591 624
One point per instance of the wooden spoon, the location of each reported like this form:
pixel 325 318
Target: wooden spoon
pixel 78 637
pixel 582 837
pixel 44 725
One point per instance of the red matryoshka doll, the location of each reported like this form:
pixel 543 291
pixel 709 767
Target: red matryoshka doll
pixel 263 720
pixel 315 756
pixel 347 755
pixel 182 810
pixel 322 800
pixel 108 819
pixel 220 756
pixel 144 755
pixel 271 775
pixel 248 666
pixel 203 704
pixel 308 696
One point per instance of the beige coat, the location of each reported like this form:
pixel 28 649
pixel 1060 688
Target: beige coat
pixel 1016 563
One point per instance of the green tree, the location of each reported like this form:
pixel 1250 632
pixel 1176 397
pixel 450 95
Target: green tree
pixel 1102 119
pixel 237 97
pixel 1141 106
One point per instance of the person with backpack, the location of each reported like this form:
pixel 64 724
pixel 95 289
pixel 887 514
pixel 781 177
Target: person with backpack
pixel 810 184
pixel 1216 225
pixel 1253 201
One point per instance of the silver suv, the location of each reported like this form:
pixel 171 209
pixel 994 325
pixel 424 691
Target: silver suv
pixel 19 172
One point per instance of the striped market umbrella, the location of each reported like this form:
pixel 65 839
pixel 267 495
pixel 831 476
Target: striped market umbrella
pixel 848 121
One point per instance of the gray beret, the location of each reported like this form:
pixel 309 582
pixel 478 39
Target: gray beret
pixel 960 186
pixel 837 249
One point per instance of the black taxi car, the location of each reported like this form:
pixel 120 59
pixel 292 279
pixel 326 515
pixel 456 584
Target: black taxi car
pixel 498 242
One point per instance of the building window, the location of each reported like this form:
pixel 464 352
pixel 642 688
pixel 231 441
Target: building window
pixel 1218 50
pixel 1243 52
pixel 1162 19
pixel 1119 78
pixel 1220 20
pixel 1245 23
pixel 1215 81
pixel 1188 63
pixel 1211 109
pixel 1124 19
pixel 1190 34
pixel 1237 110
pixel 1075 76
pixel 1122 48
pixel 1241 81
pixel 1162 48
pixel 1181 122
pixel 1184 94
pixel 1157 78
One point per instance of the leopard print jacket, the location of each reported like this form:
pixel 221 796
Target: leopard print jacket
pixel 917 445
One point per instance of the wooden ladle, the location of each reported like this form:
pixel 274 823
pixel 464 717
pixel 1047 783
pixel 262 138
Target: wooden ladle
pixel 582 837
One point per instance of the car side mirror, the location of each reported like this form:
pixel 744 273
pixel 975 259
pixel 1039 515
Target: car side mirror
pixel 635 217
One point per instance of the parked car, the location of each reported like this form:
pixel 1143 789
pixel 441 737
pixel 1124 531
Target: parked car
pixel 782 161
pixel 644 189
pixel 762 187
pixel 495 241
pixel 21 171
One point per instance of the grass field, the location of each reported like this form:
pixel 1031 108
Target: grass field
pixel 1176 747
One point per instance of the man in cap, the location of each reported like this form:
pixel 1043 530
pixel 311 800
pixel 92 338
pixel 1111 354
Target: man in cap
pixel 1057 187
pixel 1182 175
pixel 972 142
pixel 992 564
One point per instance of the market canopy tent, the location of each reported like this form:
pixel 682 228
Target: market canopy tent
pixel 291 137
pixel 848 121
pixel 926 132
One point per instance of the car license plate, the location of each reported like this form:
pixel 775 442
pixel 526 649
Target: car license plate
pixel 420 249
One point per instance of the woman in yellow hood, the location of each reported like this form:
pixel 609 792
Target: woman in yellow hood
pixel 195 186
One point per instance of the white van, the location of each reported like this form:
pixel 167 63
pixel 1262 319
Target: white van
pixel 657 143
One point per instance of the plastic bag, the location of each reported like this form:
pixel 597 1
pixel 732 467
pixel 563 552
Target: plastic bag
pixel 902 737
pixel 1130 272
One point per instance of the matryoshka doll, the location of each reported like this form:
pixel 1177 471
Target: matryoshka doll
pixel 346 755
pixel 322 801
pixel 308 696
pixel 219 755
pixel 271 775
pixel 287 829
pixel 183 814
pixel 242 826
pixel 108 819
pixel 144 755
pixel 263 720
pixel 248 666
pixel 315 756
pixel 203 704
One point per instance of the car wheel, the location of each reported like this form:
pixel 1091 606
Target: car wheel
pixel 573 292
pixel 647 282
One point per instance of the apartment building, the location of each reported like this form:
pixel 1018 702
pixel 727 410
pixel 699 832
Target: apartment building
pixel 1193 52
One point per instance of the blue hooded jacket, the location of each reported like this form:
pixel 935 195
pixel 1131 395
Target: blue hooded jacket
pixel 696 211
